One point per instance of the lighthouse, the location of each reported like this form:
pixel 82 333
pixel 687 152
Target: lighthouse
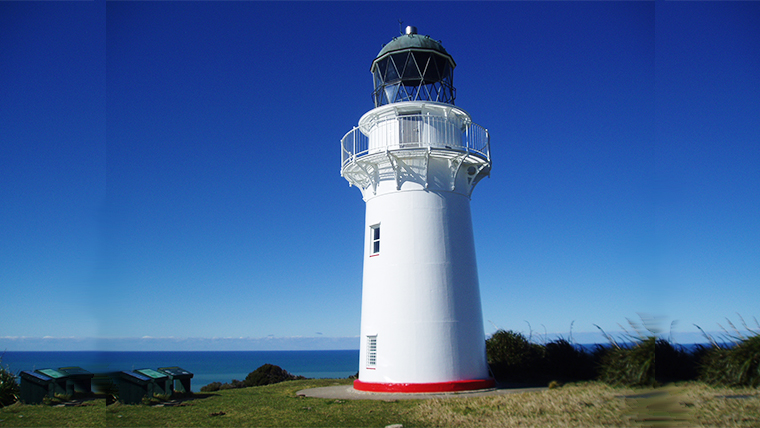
pixel 416 158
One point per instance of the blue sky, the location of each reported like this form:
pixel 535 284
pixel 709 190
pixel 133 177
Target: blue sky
pixel 171 169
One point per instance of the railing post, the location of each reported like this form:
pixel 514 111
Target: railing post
pixel 488 145
pixel 419 130
pixel 468 143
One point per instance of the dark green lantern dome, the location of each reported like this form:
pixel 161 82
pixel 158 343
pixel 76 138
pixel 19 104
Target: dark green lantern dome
pixel 413 68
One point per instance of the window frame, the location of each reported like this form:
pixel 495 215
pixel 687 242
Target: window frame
pixel 374 240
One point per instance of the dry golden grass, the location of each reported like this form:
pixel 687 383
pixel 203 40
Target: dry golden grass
pixel 598 405
pixel 720 407
pixel 582 405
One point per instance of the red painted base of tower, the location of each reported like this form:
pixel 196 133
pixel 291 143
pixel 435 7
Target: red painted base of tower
pixel 453 386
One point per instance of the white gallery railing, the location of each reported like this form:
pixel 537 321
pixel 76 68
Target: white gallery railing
pixel 414 131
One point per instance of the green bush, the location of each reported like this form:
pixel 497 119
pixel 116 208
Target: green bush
pixel 268 374
pixel 9 390
pixel 568 363
pixel 213 386
pixel 713 364
pixel 745 359
pixel 629 365
pixel 234 384
pixel 264 375
pixel 513 358
pixel 508 348
pixel 674 363
pixel 735 366
pixel 646 361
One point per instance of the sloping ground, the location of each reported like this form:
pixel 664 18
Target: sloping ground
pixel 573 405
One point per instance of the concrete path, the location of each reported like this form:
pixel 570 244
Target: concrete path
pixel 347 392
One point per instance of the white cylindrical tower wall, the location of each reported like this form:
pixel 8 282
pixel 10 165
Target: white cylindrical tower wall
pixel 420 296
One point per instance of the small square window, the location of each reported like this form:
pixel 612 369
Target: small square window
pixel 374 240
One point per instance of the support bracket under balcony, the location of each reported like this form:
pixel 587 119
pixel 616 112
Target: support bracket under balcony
pixel 456 164
pixel 472 181
pixel 395 165
pixel 372 182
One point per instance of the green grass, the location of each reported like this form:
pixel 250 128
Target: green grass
pixel 632 366
pixel 92 414
pixel 572 405
pixel 266 406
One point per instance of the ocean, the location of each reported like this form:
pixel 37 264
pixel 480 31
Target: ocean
pixel 206 366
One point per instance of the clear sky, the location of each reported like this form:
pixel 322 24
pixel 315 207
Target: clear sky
pixel 171 169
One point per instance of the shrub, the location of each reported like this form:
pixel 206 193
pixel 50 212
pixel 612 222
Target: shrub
pixel 714 363
pixel 268 374
pixel 745 359
pixel 566 362
pixel 629 365
pixel 264 375
pixel 513 358
pixel 217 386
pixel 674 363
pixel 213 386
pixel 737 366
pixel 235 384
pixel 9 390
pixel 508 348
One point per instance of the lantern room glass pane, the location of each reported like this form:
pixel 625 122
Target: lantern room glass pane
pixel 413 76
pixel 411 72
pixel 391 91
pixel 378 78
pixel 392 75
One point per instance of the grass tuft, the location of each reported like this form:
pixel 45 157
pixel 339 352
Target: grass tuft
pixel 732 366
pixel 629 365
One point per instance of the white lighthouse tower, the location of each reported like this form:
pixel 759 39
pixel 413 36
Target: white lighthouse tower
pixel 416 158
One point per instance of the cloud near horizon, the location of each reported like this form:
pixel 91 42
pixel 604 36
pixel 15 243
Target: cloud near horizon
pixel 149 343
pixel 268 343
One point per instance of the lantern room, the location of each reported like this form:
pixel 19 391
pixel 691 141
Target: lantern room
pixel 413 68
